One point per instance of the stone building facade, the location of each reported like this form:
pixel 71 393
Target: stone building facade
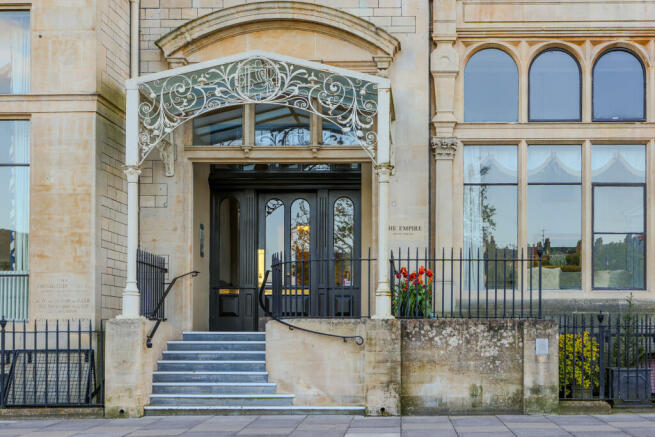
pixel 448 63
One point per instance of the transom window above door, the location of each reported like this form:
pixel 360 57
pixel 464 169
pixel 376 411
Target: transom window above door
pixel 267 125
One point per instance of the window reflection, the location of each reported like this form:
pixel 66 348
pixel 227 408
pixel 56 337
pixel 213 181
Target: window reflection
pixel 277 125
pixel 490 164
pixel 15 52
pixel 274 231
pixel 554 87
pixel 219 128
pixel 229 243
pixel 624 163
pixel 300 241
pixel 333 135
pixel 491 87
pixel 554 213
pixel 343 241
pixel 618 87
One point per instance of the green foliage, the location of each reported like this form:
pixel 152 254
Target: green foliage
pixel 578 362
pixel 628 351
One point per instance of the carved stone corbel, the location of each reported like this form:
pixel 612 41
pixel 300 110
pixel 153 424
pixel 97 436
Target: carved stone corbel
pixel 382 63
pixel 384 172
pixel 167 156
pixel 444 147
pixel 176 61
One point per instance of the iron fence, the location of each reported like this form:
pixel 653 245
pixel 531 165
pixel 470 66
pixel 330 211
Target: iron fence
pixel 494 284
pixel 51 364
pixel 607 357
pixel 151 277
pixel 327 286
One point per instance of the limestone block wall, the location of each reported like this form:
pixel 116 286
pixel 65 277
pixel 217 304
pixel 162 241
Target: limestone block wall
pixel 113 49
pixel 418 366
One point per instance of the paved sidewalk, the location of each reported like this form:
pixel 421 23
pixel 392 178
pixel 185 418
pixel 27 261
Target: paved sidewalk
pixel 332 426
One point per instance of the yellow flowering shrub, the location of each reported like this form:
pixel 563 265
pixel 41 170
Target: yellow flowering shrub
pixel 578 362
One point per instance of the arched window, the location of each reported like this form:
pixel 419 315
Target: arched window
pixel 491 87
pixel 619 87
pixel 554 87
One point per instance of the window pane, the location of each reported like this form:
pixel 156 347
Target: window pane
pixel 229 243
pixel 490 164
pixel 14 52
pixel 281 126
pixel 14 218
pixel 220 128
pixel 554 164
pixel 15 142
pixel 334 136
pixel 344 238
pixel 490 214
pixel 554 223
pixel 621 164
pixel 554 87
pixel 300 243
pixel 274 231
pixel 491 90
pixel 618 209
pixel 619 261
pixel 618 87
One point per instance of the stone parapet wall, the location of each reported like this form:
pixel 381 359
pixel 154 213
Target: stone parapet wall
pixel 419 366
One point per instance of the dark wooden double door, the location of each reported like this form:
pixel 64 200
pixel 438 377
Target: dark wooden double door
pixel 250 225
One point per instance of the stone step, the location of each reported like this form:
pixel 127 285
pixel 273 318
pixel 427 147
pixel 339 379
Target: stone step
pixel 209 376
pixel 223 336
pixel 192 345
pixel 213 387
pixel 212 365
pixel 214 356
pixel 165 410
pixel 231 400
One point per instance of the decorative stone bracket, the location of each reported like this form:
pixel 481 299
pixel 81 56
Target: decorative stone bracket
pixel 167 156
pixel 444 147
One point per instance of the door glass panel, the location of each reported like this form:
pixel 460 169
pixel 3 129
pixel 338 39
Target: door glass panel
pixel 229 243
pixel 274 231
pixel 344 238
pixel 300 243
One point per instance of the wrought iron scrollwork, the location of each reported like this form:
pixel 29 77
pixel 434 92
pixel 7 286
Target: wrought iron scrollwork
pixel 347 102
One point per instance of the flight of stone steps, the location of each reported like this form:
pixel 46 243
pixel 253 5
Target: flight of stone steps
pixel 222 373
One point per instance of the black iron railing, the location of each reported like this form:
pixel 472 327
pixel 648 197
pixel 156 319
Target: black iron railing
pixel 326 286
pixel 467 284
pixel 607 357
pixel 52 364
pixel 151 277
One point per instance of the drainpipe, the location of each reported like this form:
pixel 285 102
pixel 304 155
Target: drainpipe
pixel 131 299
pixel 134 38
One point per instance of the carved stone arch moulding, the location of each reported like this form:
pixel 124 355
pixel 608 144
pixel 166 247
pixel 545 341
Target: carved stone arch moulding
pixel 195 34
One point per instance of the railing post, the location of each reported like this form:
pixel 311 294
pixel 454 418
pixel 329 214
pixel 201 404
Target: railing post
pixel 540 252
pixel 601 355
pixel 3 324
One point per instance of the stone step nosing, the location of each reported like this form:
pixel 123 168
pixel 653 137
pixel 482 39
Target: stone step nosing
pixel 252 407
pixel 224 332
pixel 216 384
pixel 213 352
pixel 212 361
pixel 216 342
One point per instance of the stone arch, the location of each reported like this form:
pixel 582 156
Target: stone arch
pixel 229 28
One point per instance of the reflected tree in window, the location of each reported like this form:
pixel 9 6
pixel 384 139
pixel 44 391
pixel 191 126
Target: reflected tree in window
pixel 300 241
pixel 344 238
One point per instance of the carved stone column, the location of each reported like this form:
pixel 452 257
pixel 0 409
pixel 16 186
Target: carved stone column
pixel 444 149
pixel 131 301
pixel 383 291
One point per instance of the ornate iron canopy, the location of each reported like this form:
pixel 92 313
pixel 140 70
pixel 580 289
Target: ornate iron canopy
pixel 346 99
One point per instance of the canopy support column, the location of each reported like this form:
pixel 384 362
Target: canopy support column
pixel 383 171
pixel 131 300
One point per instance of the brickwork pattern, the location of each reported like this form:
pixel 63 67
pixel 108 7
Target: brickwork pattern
pixel 114 48
pixel 158 17
pixel 113 216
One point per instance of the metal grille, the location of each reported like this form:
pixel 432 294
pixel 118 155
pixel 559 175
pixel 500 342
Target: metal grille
pixel 151 277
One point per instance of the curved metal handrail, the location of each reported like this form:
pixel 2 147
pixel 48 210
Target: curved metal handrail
pixel 357 339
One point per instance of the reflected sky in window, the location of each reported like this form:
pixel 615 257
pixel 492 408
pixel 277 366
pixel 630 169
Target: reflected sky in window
pixel 490 164
pixel 554 87
pixel 618 87
pixel 491 90
pixel 618 163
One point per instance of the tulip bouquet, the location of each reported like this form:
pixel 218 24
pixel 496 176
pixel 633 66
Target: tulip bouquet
pixel 412 293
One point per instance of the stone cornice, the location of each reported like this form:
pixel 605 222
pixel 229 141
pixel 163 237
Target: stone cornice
pixel 246 14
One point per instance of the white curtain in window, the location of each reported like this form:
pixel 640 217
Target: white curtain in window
pixel 20 185
pixel 20 54
pixel 473 234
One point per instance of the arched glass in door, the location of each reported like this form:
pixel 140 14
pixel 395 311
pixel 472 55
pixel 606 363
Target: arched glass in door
pixel 343 240
pixel 619 87
pixel 274 230
pixel 555 87
pixel 300 241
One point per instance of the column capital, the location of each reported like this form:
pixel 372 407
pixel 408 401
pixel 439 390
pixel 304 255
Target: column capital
pixel 444 147
pixel 384 172
pixel 132 172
